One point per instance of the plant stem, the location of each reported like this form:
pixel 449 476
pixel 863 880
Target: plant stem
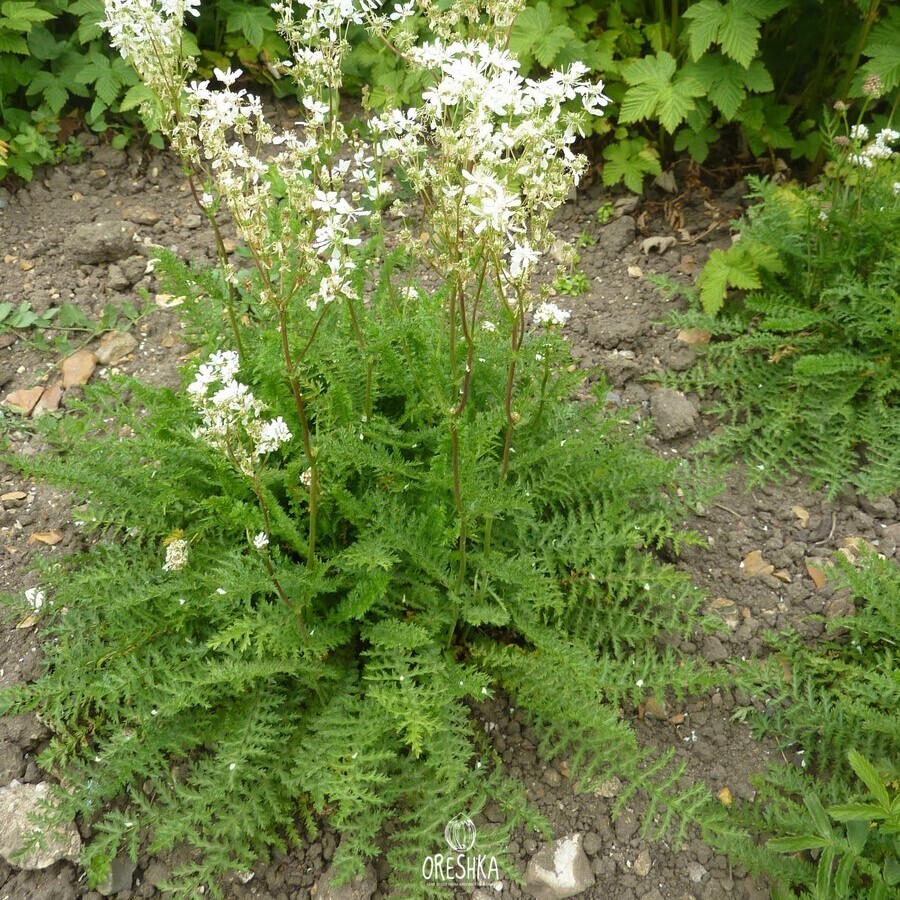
pixel 307 436
pixel 222 253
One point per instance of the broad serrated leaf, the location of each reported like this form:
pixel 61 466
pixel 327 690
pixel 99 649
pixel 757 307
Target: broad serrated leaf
pixel 13 43
pixel 43 45
pixel 739 36
pixel 253 22
pixel 696 143
pixel 728 90
pixel 630 161
pixel 734 268
pixel 657 90
pixel 705 18
pixel 135 96
pixel 757 78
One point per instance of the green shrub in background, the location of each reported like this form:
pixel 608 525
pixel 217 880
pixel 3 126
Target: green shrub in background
pixel 805 315
pixel 835 821
pixel 685 74
pixel 55 61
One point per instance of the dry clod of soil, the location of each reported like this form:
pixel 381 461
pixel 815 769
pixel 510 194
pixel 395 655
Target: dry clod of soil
pixel 18 804
pixel 559 870
pixel 108 240
pixel 673 414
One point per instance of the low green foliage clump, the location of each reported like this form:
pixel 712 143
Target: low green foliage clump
pixel 804 364
pixel 214 712
pixel 835 705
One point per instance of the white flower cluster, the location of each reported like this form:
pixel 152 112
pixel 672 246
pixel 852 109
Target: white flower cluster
pixel 231 415
pixel 880 148
pixel 495 140
pixel 550 314
pixel 176 555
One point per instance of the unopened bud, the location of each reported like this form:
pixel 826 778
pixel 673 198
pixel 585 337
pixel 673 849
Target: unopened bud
pixel 841 106
pixel 515 418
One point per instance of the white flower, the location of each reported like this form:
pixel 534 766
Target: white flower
pixel 272 435
pixel 228 77
pixel 896 188
pixel 489 327
pixel 550 314
pixel 522 259
pixel 887 136
pixel 176 555
pixel 261 541
pixel 859 133
pixel 35 598
pixel 861 160
pixel 306 478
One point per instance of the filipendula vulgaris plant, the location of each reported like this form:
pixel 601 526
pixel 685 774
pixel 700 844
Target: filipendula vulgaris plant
pixel 806 357
pixel 375 503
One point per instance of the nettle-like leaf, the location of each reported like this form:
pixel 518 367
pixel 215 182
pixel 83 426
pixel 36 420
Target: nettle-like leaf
pixel 535 34
pixel 630 161
pixel 727 82
pixel 697 142
pixel 737 267
pixel 733 24
pixel 253 22
pixel 658 90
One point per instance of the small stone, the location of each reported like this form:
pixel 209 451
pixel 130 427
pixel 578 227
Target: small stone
pixel 727 610
pixel 50 399
pixel 673 414
pixel 696 872
pixel 24 401
pixel 78 368
pixel 753 565
pixel 192 221
pixel 18 803
pixel 360 888
pixel 725 797
pixel 13 499
pixel 121 874
pixel 559 870
pixel 642 864
pixel 610 788
pixel 140 215
pixel 693 337
pixel 552 777
pixel 114 347
pixel 26 265
pixel 817 573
